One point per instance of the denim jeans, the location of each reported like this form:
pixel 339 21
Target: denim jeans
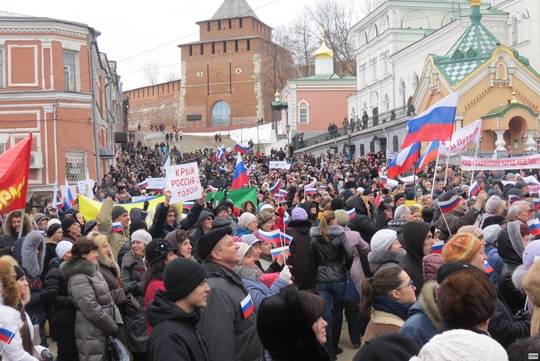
pixel 352 313
pixel 332 293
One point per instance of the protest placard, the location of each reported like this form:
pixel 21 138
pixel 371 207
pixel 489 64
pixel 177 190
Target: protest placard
pixel 183 181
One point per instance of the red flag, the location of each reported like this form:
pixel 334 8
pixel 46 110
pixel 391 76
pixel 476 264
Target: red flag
pixel 14 171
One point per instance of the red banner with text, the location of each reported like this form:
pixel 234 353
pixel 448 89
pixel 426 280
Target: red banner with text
pixel 14 171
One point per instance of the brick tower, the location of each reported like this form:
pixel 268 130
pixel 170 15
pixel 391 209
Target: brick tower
pixel 229 75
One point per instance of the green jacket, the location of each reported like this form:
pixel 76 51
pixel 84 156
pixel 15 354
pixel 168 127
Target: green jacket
pixel 105 221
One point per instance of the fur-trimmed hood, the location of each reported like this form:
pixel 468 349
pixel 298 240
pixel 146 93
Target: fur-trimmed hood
pixel 331 231
pixel 381 257
pixel 247 272
pixel 109 263
pixel 517 277
pixel 24 252
pixel 81 266
pixel 9 218
pixel 428 303
pixel 9 292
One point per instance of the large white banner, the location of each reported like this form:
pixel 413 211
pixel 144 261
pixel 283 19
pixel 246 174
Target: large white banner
pixel 183 180
pixel 279 164
pixel 156 183
pixel 471 163
pixel 462 137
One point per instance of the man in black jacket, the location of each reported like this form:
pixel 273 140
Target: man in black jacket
pixel 174 314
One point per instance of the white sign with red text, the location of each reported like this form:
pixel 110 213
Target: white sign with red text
pixel 183 180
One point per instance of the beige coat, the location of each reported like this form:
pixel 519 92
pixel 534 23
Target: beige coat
pixel 382 323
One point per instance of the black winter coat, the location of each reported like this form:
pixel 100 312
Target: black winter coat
pixel 175 334
pixel 300 260
pixel 512 260
pixel 503 326
pixel 363 225
pixel 159 229
pixel 329 258
pixel 55 292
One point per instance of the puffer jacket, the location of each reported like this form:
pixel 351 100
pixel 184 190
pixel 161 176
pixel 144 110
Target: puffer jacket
pixel 511 250
pixel 231 336
pixel 136 332
pixel 258 290
pixel 116 239
pixel 329 258
pixel 97 315
pixel 7 240
pixel 496 262
pixel 363 225
pixel 55 292
pixel 382 259
pixel 424 317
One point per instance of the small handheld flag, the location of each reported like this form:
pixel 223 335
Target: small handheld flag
pixel 351 213
pixel 449 205
pixel 286 219
pixel 242 148
pixel 310 185
pixel 247 306
pixel 6 335
pixel 534 226
pixel 475 189
pixel 143 185
pixel 536 204
pixel 212 189
pixel 187 205
pixel 275 188
pixel 277 251
pixel 437 247
pixel 240 176
pixel 117 227
pixel 487 267
pixel 512 198
pixel 288 239
pixel 310 191
pixel 270 237
pixel 283 192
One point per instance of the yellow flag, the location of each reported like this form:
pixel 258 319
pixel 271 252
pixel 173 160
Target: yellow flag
pixel 90 208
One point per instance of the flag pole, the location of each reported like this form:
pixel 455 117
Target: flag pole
pixel 446 169
pixel 435 175
pixel 444 218
pixel 474 163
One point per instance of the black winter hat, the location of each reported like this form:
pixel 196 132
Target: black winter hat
pixel 367 192
pixel 220 222
pixel 157 249
pixel 388 347
pixel 398 196
pixel 447 269
pixel 52 229
pixel 117 211
pixel 19 272
pixel 68 222
pixel 136 225
pixel 207 242
pixel 89 226
pixel 181 276
pixel 336 204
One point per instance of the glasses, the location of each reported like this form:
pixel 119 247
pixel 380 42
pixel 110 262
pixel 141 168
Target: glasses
pixel 411 283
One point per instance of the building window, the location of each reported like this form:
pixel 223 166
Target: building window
pixel 230 24
pixel 303 112
pixel 395 144
pixel 240 22
pixel 191 50
pixel 208 26
pixel 236 45
pixel 362 150
pixel 515 31
pixel 213 48
pixel 202 49
pixel 76 164
pixel 224 46
pixel 219 24
pixel 2 68
pixel 221 113
pixel 70 71
pixel 248 45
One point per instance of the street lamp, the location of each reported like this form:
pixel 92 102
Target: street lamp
pixel 349 131
pixel 241 130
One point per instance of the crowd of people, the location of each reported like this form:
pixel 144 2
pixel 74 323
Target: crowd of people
pixel 212 283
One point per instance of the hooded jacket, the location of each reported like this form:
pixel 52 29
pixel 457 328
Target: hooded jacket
pixel 232 336
pixel 115 239
pixel 414 235
pixel 424 317
pixel 97 315
pixel 159 229
pixel 382 259
pixel 312 217
pixel 329 258
pixel 175 333
pixel 511 250
pixel 7 240
pixel 300 254
pixel 196 233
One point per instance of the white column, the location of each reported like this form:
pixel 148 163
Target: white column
pixel 530 144
pixel 500 143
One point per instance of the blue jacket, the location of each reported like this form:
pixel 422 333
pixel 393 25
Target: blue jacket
pixel 495 261
pixel 424 317
pixel 257 289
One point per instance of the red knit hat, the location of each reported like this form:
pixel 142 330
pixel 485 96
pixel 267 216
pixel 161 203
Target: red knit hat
pixel 461 248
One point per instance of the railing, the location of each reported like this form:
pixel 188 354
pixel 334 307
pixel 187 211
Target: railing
pixel 301 141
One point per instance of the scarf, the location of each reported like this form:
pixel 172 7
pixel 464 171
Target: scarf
pixel 386 304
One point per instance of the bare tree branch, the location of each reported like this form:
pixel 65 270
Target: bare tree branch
pixel 171 75
pixel 151 72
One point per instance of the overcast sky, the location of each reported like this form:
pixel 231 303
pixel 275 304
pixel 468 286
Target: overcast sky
pixel 133 34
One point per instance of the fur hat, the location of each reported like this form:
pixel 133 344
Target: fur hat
pixel 62 248
pixel 466 298
pixel 135 225
pixel 117 211
pixel 263 217
pixel 181 276
pixel 245 219
pixel 10 295
pixel 388 347
pixel 462 247
pixel 207 242
pixel 220 222
pixel 250 239
pixel 157 249
pixel 299 214
pixel 342 217
pixel 367 192
pixel 89 226
pixel 461 345
pixel 491 233
pixel 493 203
pixel 401 212
pixel 141 236
pixel 398 196
pixel 383 239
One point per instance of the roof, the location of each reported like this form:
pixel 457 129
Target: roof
pixel 21 17
pixel 501 111
pixel 234 9
pixel 319 77
pixel 221 39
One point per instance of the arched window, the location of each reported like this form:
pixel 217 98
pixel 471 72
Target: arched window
pixel 515 31
pixel 221 113
pixel 372 146
pixel 395 144
pixel 415 81
pixel 362 150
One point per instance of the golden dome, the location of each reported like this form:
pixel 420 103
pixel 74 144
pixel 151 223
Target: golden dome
pixel 475 2
pixel 324 52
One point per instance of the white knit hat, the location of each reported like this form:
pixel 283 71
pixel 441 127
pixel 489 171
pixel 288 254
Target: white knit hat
pixel 244 247
pixel 383 239
pixel 62 247
pixel 491 233
pixel 401 212
pixel 461 345
pixel 142 236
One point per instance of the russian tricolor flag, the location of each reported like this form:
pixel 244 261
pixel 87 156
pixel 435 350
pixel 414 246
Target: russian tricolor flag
pixel 322 187
pixel 212 189
pixel 270 237
pixel 404 160
pixel 70 201
pixel 247 306
pixel 117 227
pixel 311 185
pixel 487 267
pixel 240 176
pixel 6 335
pixel 429 155
pixel 288 239
pixel 437 247
pixel 534 226
pixel 449 205
pixel 310 191
pixel 283 192
pixel 351 213
pixel 436 123
pixel 384 179
pixel 242 148
pixel 286 219
pixel 279 197
pixel 275 188
pixel 143 185
pixel 475 189
pixel 512 198
pixel 536 204
pixel 187 205
pixel 277 251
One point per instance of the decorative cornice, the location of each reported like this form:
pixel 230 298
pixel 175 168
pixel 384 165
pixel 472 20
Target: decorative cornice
pixel 23 30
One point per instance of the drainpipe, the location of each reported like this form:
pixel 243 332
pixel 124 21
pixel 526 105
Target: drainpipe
pixel 94 107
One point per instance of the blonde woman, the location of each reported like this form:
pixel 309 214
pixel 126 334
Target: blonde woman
pixel 330 250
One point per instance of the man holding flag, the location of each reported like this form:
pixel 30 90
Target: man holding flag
pixel 454 215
